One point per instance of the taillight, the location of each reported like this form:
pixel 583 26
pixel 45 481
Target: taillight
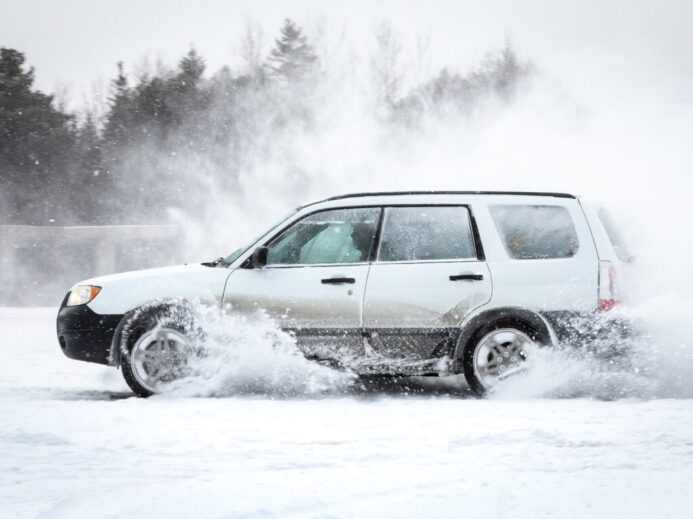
pixel 609 295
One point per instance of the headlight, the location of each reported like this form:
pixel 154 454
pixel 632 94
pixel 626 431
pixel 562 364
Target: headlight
pixel 82 295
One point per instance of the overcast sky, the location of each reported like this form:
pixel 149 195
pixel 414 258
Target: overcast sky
pixel 77 42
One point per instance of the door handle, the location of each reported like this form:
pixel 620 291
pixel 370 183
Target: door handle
pixel 467 277
pixel 338 281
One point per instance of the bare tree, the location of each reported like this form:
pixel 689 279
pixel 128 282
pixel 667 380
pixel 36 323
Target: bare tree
pixel 251 48
pixel 95 103
pixel 386 67
pixel 422 57
pixel 62 98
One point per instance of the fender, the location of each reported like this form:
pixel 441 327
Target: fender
pixel 472 323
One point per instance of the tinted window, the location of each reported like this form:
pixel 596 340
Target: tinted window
pixel 536 231
pixel 426 233
pixel 338 236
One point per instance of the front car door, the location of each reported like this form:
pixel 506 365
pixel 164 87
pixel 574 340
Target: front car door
pixel 314 281
pixel 428 275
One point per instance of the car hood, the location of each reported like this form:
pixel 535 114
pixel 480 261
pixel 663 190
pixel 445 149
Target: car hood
pixel 127 290
pixel 161 272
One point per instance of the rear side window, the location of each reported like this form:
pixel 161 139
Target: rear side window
pixel 535 231
pixel 426 234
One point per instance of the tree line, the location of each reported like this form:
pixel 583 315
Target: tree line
pixel 162 130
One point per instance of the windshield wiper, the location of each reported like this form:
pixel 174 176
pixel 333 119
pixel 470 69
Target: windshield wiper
pixel 216 263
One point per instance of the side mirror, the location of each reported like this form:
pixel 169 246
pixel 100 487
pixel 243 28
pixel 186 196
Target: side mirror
pixel 259 258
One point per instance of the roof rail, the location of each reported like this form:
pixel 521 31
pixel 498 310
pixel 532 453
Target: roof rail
pixel 383 193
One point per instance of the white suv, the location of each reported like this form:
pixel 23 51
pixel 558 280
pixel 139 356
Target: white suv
pixel 400 283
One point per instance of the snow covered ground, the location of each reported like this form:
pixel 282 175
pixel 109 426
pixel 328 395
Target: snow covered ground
pixel 74 443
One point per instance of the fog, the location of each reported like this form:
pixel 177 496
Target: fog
pixel 606 134
pixel 173 161
pixel 606 115
pixel 590 120
pixel 602 131
pixel 652 35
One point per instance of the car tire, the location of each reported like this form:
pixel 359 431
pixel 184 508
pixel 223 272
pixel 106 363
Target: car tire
pixel 155 343
pixel 496 337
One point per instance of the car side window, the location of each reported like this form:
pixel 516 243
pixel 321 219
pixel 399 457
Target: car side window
pixel 426 234
pixel 334 236
pixel 536 231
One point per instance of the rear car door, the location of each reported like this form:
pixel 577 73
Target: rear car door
pixel 547 260
pixel 314 280
pixel 428 275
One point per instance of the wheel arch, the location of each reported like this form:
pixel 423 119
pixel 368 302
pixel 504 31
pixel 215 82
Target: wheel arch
pixel 529 317
pixel 117 347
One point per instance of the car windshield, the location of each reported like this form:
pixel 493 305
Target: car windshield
pixel 228 260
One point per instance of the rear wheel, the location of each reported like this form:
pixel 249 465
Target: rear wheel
pixel 496 352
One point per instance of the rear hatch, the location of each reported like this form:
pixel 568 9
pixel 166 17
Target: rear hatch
pixel 615 258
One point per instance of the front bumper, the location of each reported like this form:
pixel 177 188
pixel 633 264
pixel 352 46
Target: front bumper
pixel 85 335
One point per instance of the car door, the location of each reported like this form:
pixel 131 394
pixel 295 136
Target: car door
pixel 547 261
pixel 313 283
pixel 426 278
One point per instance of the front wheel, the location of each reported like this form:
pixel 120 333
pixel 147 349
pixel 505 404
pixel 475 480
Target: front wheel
pixel 156 352
pixel 496 352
